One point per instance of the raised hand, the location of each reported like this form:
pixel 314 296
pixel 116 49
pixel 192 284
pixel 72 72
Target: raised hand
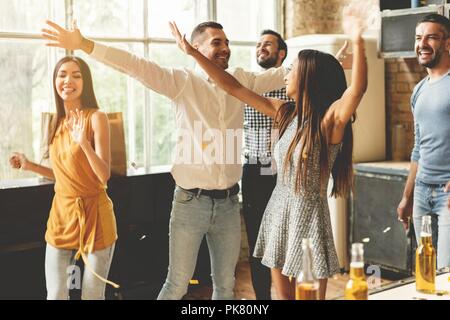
pixel 63 38
pixel 355 19
pixel 18 161
pixel 76 125
pixel 182 43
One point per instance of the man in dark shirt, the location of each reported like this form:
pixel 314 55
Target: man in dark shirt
pixel 258 180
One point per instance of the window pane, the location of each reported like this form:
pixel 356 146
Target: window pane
pixel 186 13
pixel 245 19
pixel 27 65
pixel 110 18
pixel 162 113
pixel 116 92
pixel 266 16
pixel 243 57
pixel 25 93
pixel 23 15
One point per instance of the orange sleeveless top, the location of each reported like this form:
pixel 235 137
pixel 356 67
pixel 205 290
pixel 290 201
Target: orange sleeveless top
pixel 82 216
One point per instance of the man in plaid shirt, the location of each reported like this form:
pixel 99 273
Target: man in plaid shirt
pixel 258 179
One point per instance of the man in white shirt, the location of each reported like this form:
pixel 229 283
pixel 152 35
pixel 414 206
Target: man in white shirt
pixel 207 163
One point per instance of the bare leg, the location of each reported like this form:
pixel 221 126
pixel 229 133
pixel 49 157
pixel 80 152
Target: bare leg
pixel 322 288
pixel 285 287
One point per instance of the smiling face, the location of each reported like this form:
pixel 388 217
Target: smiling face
pixel 267 52
pixel 69 82
pixel 213 44
pixel 431 44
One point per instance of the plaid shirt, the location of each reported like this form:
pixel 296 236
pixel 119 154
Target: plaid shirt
pixel 257 129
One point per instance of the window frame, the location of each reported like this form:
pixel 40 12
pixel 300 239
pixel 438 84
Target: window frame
pixel 146 41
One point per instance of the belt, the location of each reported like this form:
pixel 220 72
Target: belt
pixel 432 185
pixel 216 194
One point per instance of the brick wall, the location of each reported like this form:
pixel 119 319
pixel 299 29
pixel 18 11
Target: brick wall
pixel 312 16
pixel 401 77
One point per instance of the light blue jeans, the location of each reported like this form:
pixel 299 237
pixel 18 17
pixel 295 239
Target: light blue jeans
pixel 61 273
pixel 192 218
pixel 432 200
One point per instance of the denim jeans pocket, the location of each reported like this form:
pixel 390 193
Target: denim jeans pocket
pixel 182 196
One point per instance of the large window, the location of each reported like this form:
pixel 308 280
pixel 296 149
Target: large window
pixel 139 26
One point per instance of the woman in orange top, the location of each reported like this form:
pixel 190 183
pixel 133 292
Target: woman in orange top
pixel 81 221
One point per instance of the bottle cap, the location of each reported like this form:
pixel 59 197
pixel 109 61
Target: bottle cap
pixel 358 246
pixel 426 219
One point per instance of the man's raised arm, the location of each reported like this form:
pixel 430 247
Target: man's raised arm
pixel 166 81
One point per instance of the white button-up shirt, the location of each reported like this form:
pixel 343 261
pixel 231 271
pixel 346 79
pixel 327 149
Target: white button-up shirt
pixel 209 122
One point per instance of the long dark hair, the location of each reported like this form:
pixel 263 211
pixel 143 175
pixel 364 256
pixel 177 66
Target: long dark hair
pixel 321 81
pixel 88 99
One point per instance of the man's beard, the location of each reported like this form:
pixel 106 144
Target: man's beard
pixel 433 62
pixel 268 63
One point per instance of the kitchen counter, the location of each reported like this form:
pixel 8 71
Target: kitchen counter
pixel 406 290
pixel 41 181
pixel 385 167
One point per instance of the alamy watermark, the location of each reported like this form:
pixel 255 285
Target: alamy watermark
pixel 208 146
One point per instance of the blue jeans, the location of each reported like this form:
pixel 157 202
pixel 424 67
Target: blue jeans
pixel 432 200
pixel 61 273
pixel 191 219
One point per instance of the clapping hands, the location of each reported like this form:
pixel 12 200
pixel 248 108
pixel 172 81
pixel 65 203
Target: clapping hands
pixel 18 161
pixel 76 124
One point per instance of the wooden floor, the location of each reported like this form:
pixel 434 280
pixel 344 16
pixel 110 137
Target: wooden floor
pixel 244 288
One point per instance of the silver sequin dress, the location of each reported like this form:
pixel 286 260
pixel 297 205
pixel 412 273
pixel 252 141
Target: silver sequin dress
pixel 289 217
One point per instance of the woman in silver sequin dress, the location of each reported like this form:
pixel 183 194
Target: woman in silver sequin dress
pixel 315 141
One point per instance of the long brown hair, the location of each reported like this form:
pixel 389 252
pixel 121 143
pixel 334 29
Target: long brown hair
pixel 88 99
pixel 321 81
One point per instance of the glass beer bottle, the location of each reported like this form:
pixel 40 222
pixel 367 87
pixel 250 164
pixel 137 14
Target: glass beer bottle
pixel 307 286
pixel 357 288
pixel 425 259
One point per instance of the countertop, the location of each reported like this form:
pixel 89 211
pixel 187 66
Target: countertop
pixel 40 181
pixel 384 167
